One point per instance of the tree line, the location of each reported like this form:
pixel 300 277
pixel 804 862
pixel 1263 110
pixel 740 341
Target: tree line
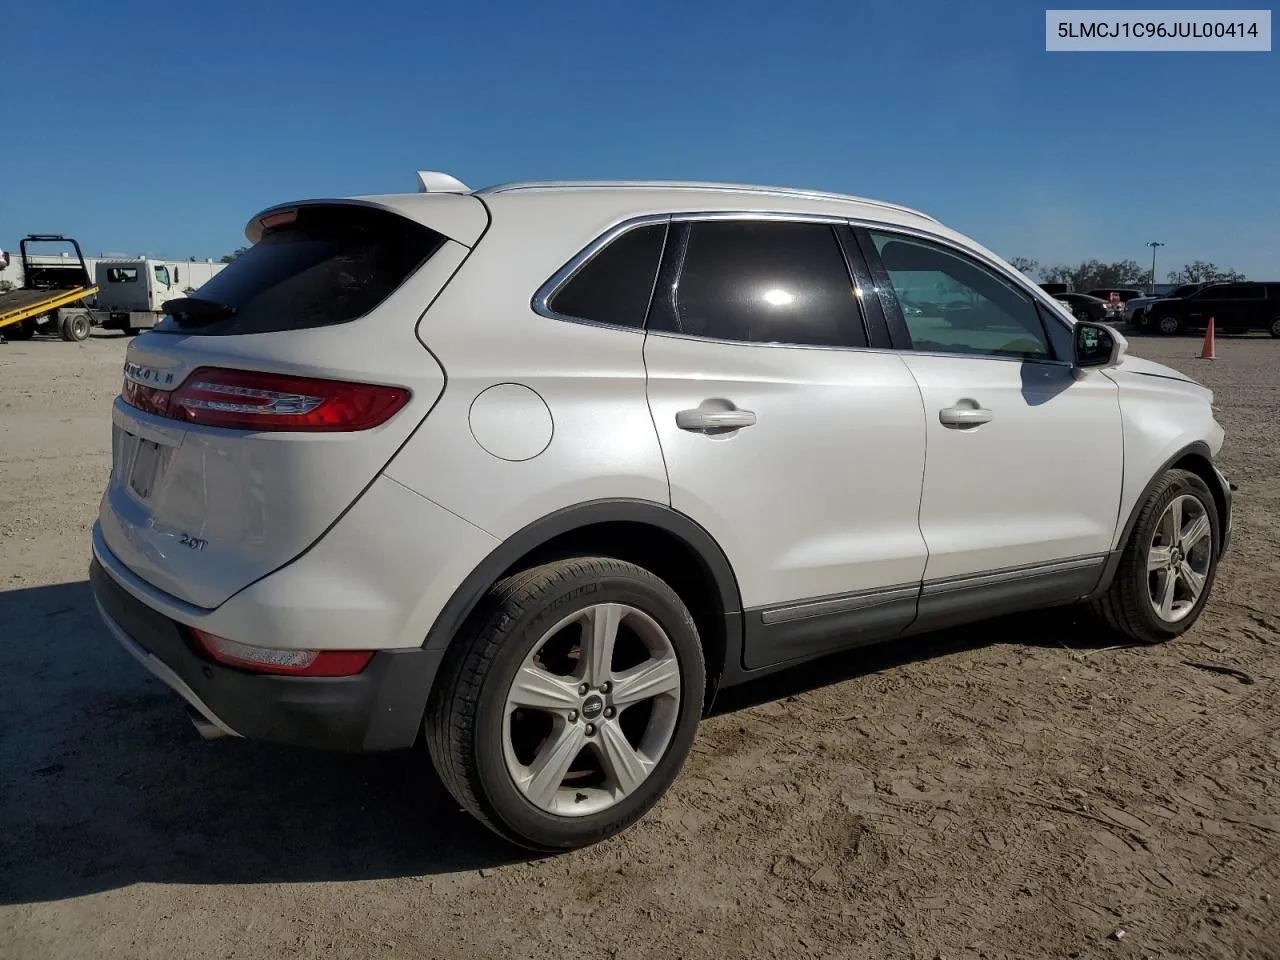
pixel 1097 274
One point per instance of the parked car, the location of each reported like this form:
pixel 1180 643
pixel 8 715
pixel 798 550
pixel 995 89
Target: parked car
pixel 533 472
pixel 1234 307
pixel 1136 311
pixel 1115 299
pixel 1085 307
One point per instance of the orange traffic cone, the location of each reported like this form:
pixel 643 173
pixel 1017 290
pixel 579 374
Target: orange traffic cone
pixel 1206 352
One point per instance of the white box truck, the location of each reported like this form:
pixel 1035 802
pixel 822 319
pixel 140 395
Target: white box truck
pixel 131 292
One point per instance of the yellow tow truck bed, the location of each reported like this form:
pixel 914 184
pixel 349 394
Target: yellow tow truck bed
pixel 18 305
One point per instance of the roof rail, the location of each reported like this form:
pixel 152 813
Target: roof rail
pixel 433 181
pixel 709 185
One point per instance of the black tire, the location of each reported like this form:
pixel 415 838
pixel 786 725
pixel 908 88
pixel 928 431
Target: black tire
pixel 1274 327
pixel 464 717
pixel 1083 314
pixel 1140 320
pixel 1175 327
pixel 22 330
pixel 1126 606
pixel 75 327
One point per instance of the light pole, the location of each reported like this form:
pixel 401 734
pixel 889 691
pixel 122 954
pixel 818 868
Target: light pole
pixel 1153 244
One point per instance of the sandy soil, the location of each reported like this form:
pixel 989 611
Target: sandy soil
pixel 1021 789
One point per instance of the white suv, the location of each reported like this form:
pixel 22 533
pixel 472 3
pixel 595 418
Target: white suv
pixel 531 472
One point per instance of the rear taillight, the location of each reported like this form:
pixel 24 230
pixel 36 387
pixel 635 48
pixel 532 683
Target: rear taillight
pixel 248 400
pixel 274 660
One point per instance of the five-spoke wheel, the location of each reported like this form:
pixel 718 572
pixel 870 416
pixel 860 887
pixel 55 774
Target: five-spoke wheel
pixel 568 709
pixel 591 709
pixel 1168 564
pixel 1179 557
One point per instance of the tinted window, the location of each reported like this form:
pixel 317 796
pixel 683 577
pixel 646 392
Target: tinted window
pixel 615 285
pixel 1235 291
pixel 758 282
pixel 329 265
pixel 952 304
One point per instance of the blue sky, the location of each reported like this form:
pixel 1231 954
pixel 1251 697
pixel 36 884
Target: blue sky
pixel 161 128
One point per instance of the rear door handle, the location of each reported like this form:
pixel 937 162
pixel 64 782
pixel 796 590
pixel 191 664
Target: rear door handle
pixel 963 416
pixel 702 419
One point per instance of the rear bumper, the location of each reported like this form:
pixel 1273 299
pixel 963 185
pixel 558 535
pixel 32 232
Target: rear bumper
pixel 379 709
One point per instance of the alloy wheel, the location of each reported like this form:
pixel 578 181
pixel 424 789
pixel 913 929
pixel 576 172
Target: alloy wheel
pixel 1178 558
pixel 591 710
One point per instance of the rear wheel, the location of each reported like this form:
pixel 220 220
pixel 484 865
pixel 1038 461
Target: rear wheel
pixel 75 326
pixel 1168 565
pixel 22 330
pixel 1274 327
pixel 566 711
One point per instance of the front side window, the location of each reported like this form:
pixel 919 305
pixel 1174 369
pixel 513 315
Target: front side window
pixel 122 274
pixel 614 286
pixel 162 275
pixel 762 281
pixel 952 304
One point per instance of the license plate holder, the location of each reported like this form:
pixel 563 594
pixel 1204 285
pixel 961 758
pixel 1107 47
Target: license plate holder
pixel 149 460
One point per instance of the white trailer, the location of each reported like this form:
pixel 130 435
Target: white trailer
pixel 131 293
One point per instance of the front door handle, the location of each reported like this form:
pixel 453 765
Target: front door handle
pixel 964 415
pixel 708 419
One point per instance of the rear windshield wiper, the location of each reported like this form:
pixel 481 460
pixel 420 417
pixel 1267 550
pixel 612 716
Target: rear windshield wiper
pixel 196 312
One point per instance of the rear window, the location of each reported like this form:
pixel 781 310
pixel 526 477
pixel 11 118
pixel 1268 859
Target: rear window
pixel 330 265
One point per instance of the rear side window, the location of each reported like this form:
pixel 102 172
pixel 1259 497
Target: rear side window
pixel 327 266
pixel 122 274
pixel 615 285
pixel 758 282
pixel 1236 291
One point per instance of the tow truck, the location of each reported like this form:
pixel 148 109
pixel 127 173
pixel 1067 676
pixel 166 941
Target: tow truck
pixel 52 296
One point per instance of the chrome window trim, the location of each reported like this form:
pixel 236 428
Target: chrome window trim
pixel 552 286
pixel 575 263
pixel 1038 297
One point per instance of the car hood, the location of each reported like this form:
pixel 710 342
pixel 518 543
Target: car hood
pixel 1139 367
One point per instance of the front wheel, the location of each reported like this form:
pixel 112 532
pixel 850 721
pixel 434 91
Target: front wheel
pixel 1169 325
pixel 1169 564
pixel 567 710
pixel 1274 327
pixel 1140 319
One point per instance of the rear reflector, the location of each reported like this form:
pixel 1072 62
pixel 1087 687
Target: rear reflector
pixel 296 663
pixel 247 400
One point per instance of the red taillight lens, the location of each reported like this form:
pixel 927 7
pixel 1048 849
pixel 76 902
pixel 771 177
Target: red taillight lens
pixel 147 399
pixel 248 400
pixel 273 660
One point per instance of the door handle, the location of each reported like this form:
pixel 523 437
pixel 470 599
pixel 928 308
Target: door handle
pixel 705 418
pixel 964 415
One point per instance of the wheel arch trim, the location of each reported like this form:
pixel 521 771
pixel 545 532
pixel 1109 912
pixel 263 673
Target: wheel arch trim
pixel 1222 500
pixel 529 538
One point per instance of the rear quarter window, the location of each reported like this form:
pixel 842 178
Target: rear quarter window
pixel 330 265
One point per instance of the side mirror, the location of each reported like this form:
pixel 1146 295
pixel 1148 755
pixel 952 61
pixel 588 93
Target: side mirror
pixel 1097 345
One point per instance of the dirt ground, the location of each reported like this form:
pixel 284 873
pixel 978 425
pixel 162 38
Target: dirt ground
pixel 1020 789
